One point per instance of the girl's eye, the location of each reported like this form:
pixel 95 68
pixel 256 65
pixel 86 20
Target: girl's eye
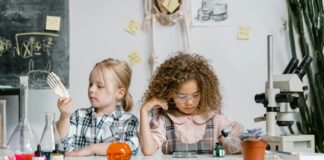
pixel 182 96
pixel 101 86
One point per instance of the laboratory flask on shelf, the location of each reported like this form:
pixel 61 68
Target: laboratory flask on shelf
pixel 118 149
pixel 50 136
pixel 23 141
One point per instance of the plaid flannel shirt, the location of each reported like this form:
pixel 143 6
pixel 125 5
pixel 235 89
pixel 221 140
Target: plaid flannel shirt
pixel 85 130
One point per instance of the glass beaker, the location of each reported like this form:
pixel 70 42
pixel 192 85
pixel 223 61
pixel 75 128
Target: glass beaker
pixel 50 136
pixel 6 154
pixel 118 150
pixel 23 141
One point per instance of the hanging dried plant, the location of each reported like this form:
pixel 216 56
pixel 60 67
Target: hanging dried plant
pixel 306 18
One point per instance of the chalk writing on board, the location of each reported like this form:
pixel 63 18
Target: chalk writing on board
pixel 33 49
pixel 5 45
pixel 27 48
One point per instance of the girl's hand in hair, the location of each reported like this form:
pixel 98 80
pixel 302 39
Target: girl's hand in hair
pixel 154 103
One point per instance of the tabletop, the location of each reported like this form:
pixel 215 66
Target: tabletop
pixel 161 157
pixel 297 156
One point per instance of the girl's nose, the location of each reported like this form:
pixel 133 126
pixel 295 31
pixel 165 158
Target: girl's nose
pixel 91 89
pixel 190 101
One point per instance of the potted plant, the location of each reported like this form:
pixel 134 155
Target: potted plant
pixel 306 19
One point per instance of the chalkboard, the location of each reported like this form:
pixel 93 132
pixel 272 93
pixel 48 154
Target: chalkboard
pixel 27 48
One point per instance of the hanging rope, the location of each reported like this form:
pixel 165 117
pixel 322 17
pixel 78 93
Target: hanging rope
pixel 154 12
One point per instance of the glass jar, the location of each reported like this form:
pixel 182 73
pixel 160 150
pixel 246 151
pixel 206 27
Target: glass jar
pixel 118 150
pixel 23 141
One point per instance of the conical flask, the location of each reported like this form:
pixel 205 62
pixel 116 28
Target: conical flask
pixel 118 149
pixel 50 135
pixel 23 141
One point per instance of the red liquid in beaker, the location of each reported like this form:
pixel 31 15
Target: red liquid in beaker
pixel 24 156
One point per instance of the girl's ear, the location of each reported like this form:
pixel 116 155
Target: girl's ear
pixel 121 93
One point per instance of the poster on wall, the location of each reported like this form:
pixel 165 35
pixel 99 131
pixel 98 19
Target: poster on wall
pixel 34 41
pixel 210 12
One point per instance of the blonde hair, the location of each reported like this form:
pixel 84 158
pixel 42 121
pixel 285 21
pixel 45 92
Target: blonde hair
pixel 180 68
pixel 121 76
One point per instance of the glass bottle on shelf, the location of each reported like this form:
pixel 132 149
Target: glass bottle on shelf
pixel 118 150
pixel 23 141
pixel 50 136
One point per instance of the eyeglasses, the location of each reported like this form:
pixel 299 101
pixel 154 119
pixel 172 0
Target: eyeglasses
pixel 183 98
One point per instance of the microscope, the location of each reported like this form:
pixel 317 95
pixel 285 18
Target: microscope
pixel 282 100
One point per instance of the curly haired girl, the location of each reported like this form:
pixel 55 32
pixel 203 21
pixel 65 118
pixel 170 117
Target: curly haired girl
pixel 185 91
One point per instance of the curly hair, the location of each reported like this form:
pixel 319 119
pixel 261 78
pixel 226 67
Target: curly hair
pixel 180 68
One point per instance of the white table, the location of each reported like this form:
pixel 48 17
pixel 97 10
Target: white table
pixel 161 157
pixel 302 156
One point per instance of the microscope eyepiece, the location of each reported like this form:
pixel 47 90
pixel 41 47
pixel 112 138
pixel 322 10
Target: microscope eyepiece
pixel 302 68
pixel 293 63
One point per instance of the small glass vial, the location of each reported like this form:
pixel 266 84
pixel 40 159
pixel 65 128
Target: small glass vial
pixel 218 150
pixel 38 155
pixel 56 154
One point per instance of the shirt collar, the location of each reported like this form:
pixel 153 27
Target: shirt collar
pixel 115 114
pixel 180 118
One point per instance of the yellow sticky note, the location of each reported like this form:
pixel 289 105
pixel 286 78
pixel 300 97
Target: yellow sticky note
pixel 133 27
pixel 134 58
pixel 171 5
pixel 244 33
pixel 53 23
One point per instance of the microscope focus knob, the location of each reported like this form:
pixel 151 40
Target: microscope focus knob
pixel 296 102
pixel 283 98
pixel 305 88
pixel 261 98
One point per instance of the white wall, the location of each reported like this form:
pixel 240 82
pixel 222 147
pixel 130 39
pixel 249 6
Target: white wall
pixel 97 32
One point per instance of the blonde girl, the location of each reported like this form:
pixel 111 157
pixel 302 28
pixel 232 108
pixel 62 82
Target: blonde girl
pixel 87 131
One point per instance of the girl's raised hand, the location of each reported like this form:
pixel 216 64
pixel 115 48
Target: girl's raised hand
pixel 65 106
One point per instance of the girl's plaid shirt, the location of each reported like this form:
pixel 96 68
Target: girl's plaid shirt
pixel 86 129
